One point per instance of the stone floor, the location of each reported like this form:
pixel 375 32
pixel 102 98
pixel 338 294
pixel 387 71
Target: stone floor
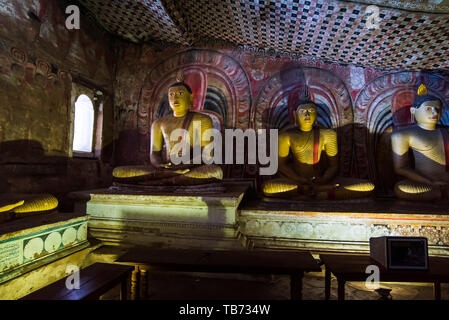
pixel 195 286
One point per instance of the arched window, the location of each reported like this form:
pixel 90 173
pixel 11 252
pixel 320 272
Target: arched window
pixel 83 124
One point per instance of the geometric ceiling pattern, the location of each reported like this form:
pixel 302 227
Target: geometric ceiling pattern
pixel 435 6
pixel 336 31
pixel 134 20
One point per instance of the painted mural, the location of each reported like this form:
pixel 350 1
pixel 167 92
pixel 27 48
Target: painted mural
pixel 40 63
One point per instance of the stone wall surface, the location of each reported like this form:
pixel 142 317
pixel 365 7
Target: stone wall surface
pixel 40 61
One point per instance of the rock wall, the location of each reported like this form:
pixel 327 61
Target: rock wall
pixel 41 62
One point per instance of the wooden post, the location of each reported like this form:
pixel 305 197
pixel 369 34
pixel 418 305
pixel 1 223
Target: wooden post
pixel 135 283
pixel 296 285
pixel 341 289
pixel 124 288
pixel 143 281
pixel 437 290
pixel 327 284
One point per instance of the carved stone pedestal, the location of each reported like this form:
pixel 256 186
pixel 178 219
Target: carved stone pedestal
pixel 132 217
pixel 343 226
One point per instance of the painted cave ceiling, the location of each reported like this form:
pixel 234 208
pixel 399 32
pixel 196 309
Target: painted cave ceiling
pixel 411 35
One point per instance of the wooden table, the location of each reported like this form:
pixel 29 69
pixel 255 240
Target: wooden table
pixel 292 263
pixel 352 268
pixel 95 281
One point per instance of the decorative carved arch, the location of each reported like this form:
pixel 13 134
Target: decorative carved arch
pixel 196 63
pixel 319 81
pixel 376 104
pixel 325 89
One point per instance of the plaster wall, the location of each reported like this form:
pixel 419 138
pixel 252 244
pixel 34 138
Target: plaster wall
pixel 42 65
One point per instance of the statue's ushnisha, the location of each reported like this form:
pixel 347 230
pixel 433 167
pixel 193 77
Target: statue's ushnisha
pixel 180 98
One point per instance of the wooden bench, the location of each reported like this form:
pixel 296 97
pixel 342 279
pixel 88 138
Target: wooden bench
pixel 348 268
pixel 95 281
pixel 293 263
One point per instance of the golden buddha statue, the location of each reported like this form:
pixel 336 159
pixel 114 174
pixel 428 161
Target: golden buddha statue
pixel 311 176
pixel 428 178
pixel 180 98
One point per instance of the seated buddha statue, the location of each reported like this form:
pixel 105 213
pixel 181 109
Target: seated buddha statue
pixel 311 175
pixel 427 177
pixel 165 172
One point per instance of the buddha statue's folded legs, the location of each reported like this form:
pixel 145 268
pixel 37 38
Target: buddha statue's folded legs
pixel 412 190
pixel 25 203
pixel 148 175
pixel 339 189
pixel 285 188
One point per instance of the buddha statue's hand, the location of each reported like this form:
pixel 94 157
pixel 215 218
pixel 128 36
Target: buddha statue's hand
pixel 166 165
pixel 321 181
pixel 182 171
pixel 317 181
pixel 302 181
pixel 314 186
pixel 322 185
pixel 178 168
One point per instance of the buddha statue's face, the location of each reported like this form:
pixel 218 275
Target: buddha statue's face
pixel 305 116
pixel 180 100
pixel 428 113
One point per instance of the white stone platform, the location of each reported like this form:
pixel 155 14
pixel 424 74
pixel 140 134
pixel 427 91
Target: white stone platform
pixel 222 220
pixel 132 217
pixel 31 242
